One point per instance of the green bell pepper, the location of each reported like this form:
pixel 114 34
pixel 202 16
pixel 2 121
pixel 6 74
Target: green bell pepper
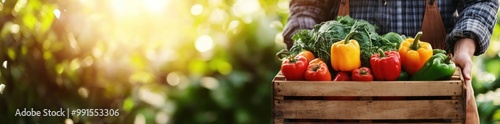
pixel 438 67
pixel 436 51
pixel 403 76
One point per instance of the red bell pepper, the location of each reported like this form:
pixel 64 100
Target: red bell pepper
pixel 362 74
pixel 386 66
pixel 317 71
pixel 342 76
pixel 294 68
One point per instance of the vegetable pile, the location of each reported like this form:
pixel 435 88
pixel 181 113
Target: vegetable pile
pixel 349 49
pixel 319 39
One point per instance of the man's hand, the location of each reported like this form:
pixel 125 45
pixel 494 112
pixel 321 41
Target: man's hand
pixel 463 52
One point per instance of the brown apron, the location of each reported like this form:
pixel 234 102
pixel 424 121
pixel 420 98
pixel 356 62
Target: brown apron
pixel 434 33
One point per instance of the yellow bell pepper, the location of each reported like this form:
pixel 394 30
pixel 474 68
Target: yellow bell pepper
pixel 345 54
pixel 414 54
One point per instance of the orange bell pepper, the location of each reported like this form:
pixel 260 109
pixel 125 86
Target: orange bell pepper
pixel 414 54
pixel 308 54
pixel 345 54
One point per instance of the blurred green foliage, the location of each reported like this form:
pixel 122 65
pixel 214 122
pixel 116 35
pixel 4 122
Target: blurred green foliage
pixel 486 80
pixel 159 61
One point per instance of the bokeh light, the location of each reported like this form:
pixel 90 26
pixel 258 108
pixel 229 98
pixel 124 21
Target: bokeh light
pixel 162 118
pixel 140 119
pixel 156 6
pixel 14 28
pixel 83 92
pixel 2 86
pixel 57 13
pixel 4 64
pixel 196 9
pixel 209 83
pixel 68 121
pixel 173 78
pixel 204 43
pixel 150 97
pixel 19 5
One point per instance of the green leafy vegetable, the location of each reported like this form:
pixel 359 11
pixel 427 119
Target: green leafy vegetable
pixel 319 39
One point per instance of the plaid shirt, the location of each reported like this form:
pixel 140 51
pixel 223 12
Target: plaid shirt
pixel 462 18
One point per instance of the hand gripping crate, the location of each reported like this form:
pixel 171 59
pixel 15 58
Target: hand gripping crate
pixel 369 102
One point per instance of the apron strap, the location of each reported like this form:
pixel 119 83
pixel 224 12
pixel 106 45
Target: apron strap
pixel 432 26
pixel 343 8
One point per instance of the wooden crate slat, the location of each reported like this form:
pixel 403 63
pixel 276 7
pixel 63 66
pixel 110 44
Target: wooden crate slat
pixel 278 121
pixel 279 76
pixel 413 109
pixel 352 88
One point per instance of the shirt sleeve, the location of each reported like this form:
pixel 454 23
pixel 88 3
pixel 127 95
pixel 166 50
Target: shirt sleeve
pixel 476 20
pixel 304 14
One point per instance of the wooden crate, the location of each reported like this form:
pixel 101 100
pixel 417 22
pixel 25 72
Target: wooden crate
pixel 417 102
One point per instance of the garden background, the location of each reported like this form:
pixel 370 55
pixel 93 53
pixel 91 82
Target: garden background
pixel 160 61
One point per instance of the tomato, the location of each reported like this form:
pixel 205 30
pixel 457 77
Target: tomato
pixel 342 76
pixel 362 74
pixel 294 68
pixel 317 71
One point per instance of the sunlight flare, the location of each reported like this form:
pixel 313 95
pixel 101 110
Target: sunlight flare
pixel 196 9
pixel 204 43
pixel 57 13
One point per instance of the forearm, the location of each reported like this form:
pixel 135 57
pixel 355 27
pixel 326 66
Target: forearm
pixel 304 14
pixel 476 21
pixel 465 47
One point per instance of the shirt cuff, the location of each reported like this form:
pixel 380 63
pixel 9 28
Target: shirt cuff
pixel 470 29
